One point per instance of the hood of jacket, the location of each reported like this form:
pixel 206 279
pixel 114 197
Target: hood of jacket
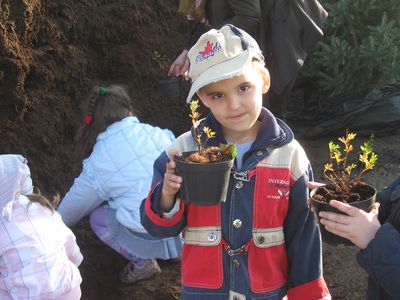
pixel 15 180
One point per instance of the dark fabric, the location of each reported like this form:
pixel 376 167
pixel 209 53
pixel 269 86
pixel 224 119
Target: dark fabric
pixel 243 14
pixel 394 217
pixel 312 116
pixel 388 197
pixel 288 30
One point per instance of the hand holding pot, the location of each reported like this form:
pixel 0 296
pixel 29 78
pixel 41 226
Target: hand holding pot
pixel 180 66
pixel 357 225
pixel 172 182
pixel 313 185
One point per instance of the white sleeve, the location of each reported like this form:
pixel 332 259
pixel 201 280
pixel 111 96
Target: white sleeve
pixel 79 201
pixel 174 210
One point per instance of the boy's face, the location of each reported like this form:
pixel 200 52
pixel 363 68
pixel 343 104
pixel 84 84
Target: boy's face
pixel 236 103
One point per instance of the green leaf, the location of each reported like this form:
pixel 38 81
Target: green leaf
pixel 229 147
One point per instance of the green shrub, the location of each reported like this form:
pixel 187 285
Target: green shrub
pixel 360 48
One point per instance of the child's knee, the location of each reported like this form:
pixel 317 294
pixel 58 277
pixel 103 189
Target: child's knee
pixel 98 218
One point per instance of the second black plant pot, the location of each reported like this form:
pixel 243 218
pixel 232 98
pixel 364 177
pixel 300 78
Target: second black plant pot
pixel 329 237
pixel 170 87
pixel 203 184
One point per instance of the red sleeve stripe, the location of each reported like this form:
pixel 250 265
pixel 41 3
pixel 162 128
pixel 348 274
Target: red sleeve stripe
pixel 155 218
pixel 312 290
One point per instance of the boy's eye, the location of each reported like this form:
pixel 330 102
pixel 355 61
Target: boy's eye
pixel 244 88
pixel 217 96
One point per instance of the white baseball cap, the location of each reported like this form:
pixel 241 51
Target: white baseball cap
pixel 220 54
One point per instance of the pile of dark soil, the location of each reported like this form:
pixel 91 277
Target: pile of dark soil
pixel 53 52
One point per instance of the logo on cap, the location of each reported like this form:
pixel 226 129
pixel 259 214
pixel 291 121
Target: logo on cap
pixel 209 50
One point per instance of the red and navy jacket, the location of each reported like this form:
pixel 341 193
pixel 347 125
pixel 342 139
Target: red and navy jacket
pixel 263 241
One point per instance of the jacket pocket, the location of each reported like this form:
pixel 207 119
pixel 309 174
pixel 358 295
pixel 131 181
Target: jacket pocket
pixel 267 266
pixel 202 258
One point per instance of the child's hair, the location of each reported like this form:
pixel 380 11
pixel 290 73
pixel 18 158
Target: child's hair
pixel 260 67
pixel 105 105
pixel 42 200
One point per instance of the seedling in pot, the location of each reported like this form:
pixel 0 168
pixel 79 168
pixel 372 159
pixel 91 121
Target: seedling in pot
pixel 205 172
pixel 344 185
pixel 209 154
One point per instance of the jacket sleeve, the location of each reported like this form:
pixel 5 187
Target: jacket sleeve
pixel 71 247
pixel 303 242
pixel 387 197
pixel 197 30
pixel 150 214
pixel 247 14
pixel 381 259
pixel 80 201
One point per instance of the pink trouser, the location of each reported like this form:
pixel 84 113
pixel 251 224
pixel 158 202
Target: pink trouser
pixel 98 222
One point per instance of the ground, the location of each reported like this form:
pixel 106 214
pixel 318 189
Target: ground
pixel 52 52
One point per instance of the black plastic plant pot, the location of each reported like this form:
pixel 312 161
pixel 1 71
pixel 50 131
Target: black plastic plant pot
pixel 170 87
pixel 329 237
pixel 203 184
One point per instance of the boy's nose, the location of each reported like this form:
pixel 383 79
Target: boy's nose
pixel 234 102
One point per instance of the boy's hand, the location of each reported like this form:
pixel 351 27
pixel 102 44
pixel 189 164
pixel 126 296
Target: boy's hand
pixel 312 185
pixel 172 182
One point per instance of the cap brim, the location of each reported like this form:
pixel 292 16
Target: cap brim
pixel 221 71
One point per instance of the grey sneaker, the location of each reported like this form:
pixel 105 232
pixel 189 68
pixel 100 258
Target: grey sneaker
pixel 131 274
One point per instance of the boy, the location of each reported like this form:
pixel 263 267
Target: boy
pixel 262 242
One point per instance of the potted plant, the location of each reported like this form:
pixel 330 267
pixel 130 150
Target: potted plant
pixel 169 86
pixel 205 172
pixel 343 185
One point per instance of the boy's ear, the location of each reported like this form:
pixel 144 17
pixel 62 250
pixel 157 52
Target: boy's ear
pixel 205 103
pixel 266 82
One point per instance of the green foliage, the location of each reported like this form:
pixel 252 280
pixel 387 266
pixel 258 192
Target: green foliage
pixel 160 59
pixel 338 170
pixel 360 48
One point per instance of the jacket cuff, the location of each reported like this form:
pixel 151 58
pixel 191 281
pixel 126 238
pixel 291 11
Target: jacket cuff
pixel 311 290
pixel 155 217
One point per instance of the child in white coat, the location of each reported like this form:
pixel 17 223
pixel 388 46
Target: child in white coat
pixel 119 152
pixel 39 257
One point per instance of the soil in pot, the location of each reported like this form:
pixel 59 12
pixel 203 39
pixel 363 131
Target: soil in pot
pixel 361 195
pixel 205 176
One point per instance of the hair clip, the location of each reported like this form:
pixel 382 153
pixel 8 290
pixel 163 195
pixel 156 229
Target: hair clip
pixel 102 90
pixel 88 119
